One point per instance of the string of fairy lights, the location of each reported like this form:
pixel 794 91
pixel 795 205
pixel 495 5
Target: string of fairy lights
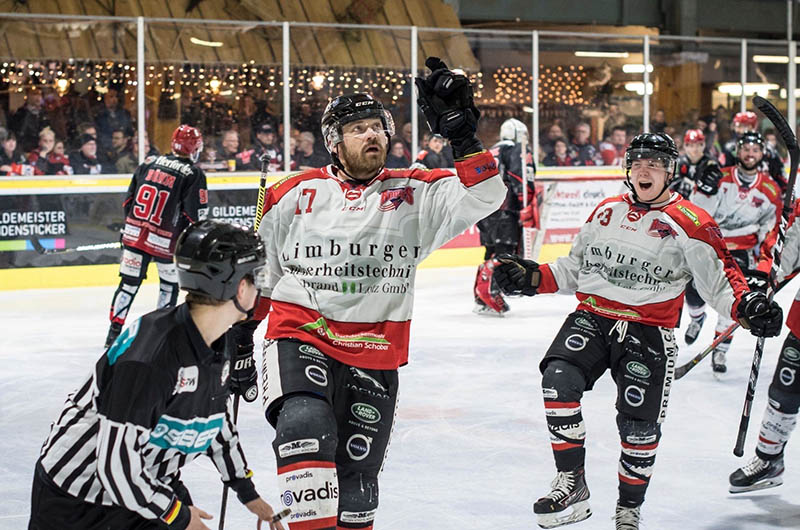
pixel 508 85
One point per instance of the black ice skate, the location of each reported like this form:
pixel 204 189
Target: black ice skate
pixel 693 330
pixel 113 332
pixel 567 502
pixel 718 362
pixel 626 518
pixel 758 474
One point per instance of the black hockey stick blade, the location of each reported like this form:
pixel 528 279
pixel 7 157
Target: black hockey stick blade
pixel 777 119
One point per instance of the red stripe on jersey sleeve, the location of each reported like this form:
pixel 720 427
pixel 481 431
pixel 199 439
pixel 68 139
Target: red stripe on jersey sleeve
pixel 547 282
pixel 278 190
pixel 262 310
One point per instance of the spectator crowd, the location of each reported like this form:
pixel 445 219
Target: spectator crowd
pixel 40 138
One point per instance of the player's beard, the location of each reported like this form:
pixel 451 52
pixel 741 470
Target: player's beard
pixel 363 163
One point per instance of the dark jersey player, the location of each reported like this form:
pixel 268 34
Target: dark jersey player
pixel 500 232
pixel 628 266
pixel 158 398
pixel 694 163
pixel 166 194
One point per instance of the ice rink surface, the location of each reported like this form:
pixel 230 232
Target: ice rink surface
pixel 470 446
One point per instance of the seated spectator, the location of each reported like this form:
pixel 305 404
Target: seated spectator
pixel 209 162
pixel 228 150
pixel 307 157
pixel 432 157
pixel 38 156
pixel 406 136
pixel 85 127
pixel 613 149
pixel 549 138
pixel 265 144
pixel 396 159
pixel 84 161
pixel 582 151
pixel 12 161
pixel 113 117
pixel 129 161
pixel 659 123
pixel 29 119
pixel 120 145
pixel 306 119
pixel 57 160
pixel 560 155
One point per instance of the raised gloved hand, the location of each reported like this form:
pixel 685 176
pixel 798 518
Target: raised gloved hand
pixel 446 100
pixel 515 275
pixel 762 317
pixel 757 280
pixel 708 175
pixel 244 376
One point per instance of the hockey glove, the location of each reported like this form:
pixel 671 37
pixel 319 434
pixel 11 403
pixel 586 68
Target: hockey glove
pixel 244 376
pixel 526 217
pixel 708 176
pixel 762 317
pixel 515 275
pixel 446 100
pixel 757 280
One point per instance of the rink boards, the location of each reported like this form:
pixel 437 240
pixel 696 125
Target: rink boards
pixel 63 213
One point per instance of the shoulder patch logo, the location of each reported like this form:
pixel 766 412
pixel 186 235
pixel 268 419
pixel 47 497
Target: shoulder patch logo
pixel 771 188
pixel 690 214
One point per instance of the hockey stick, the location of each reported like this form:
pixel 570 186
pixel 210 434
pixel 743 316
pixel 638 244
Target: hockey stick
pixel 262 192
pixel 38 247
pixel 225 488
pixel 684 368
pixel 788 137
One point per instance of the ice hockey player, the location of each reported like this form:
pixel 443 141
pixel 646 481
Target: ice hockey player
pixel 771 163
pixel 343 243
pixel 695 162
pixel 166 194
pixel 628 266
pixel 155 401
pixel 746 205
pixel 500 232
pixel 765 470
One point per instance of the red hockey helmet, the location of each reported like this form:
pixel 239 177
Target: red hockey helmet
pixel 694 136
pixel 746 119
pixel 187 141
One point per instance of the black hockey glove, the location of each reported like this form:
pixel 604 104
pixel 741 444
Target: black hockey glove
pixel 708 175
pixel 762 317
pixel 515 275
pixel 757 280
pixel 446 100
pixel 244 376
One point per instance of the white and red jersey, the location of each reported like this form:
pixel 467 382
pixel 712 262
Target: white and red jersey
pixel 633 263
pixel 342 257
pixel 745 214
pixel 612 155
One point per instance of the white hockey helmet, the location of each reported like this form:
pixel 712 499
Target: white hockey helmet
pixel 514 130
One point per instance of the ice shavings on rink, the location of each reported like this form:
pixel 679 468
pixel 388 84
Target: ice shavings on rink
pixel 470 447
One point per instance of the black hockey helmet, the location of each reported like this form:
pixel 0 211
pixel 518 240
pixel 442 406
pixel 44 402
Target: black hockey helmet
pixel 212 257
pixel 749 137
pixel 647 146
pixel 345 109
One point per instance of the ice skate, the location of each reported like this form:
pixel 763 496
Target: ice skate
pixel 693 330
pixel 113 332
pixel 756 475
pixel 567 502
pixel 482 309
pixel 626 518
pixel 718 363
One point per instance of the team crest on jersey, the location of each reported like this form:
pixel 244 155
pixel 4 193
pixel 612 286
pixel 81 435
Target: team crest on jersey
pixel 757 202
pixel 661 230
pixel 392 198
